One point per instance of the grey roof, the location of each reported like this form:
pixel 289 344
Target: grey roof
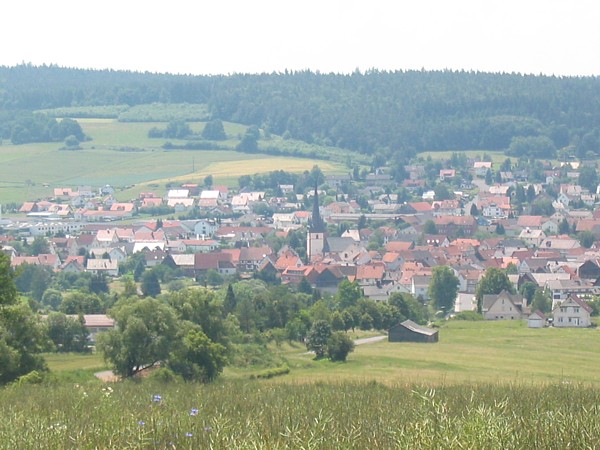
pixel 339 244
pixel 490 299
pixel 412 326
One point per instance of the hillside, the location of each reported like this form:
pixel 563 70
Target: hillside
pixel 391 114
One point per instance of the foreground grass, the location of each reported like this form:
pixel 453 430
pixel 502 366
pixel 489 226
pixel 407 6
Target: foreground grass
pixel 320 416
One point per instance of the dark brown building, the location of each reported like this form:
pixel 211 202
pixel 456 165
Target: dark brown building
pixel 409 331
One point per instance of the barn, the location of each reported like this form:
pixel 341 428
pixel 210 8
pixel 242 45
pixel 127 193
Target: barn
pixel 409 331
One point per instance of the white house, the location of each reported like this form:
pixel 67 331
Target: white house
pixel 504 306
pixel 572 313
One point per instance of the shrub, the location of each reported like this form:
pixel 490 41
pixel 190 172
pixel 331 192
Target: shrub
pixel 339 345
pixel 272 372
pixel 468 315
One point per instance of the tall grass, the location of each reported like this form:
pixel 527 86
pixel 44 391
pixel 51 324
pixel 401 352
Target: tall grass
pixel 317 416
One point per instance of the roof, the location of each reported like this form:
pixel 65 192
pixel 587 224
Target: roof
pixel 412 326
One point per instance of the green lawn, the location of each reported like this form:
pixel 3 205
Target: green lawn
pixel 480 352
pixel 66 362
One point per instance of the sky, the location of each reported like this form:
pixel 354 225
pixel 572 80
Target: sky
pixel 551 37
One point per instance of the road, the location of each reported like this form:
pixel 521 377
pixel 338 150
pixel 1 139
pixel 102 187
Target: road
pixel 369 340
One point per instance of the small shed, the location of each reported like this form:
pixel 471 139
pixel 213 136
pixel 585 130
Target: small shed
pixel 536 319
pixel 409 331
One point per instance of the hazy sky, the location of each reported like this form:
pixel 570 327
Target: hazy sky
pixel 560 37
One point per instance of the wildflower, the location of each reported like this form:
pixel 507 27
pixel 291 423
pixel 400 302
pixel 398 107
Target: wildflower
pixel 141 423
pixel 207 429
pixel 194 412
pixel 188 434
pixel 156 398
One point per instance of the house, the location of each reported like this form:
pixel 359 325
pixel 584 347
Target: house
pixel 103 266
pixel 481 167
pixel 409 331
pixel 97 323
pixel 503 306
pixel 572 312
pixel 532 238
pixel 465 301
pixel 536 319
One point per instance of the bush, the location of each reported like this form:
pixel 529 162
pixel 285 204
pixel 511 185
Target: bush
pixel 33 377
pixel 339 345
pixel 273 372
pixel 468 315
pixel 164 375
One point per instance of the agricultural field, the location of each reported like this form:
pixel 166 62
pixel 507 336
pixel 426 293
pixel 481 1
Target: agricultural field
pixel 122 155
pixel 484 385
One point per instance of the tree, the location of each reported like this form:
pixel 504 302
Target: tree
pixel 201 307
pixel 564 227
pixel 144 336
pixel 214 131
pixel 150 284
pixel 493 282
pixel 527 290
pixel 408 307
pixel 248 144
pixel 337 321
pixel 230 302
pixel 474 211
pixel 442 192
pixel 588 177
pixel 488 177
pixel 68 334
pixel 586 238
pixel 349 293
pixel 366 322
pixel 79 302
pixel 208 181
pixel 530 193
pixel 339 345
pixel 317 337
pixel 429 227
pixel 443 288
pixel 21 337
pixel 500 229
pixel 542 301
pixel 196 357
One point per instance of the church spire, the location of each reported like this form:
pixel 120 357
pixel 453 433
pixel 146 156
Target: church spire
pixel 317 225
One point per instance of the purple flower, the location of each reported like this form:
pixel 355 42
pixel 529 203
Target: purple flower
pixel 188 434
pixel 194 412
pixel 141 423
pixel 156 398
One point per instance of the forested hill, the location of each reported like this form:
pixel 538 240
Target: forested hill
pixel 368 112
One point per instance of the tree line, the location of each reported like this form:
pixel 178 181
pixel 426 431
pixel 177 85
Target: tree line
pixel 382 112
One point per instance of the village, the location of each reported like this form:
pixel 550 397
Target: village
pixel 322 236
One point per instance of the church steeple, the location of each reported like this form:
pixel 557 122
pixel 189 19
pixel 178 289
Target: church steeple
pixel 316 242
pixel 316 224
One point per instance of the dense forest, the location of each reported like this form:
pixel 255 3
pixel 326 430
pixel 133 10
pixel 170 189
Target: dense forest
pixel 375 112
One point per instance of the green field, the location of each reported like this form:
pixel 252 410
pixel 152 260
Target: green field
pixel 121 154
pixel 467 352
pixel 484 385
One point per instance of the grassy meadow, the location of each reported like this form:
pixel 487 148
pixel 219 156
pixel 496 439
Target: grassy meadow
pixel 467 352
pixel 484 385
pixel 121 154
